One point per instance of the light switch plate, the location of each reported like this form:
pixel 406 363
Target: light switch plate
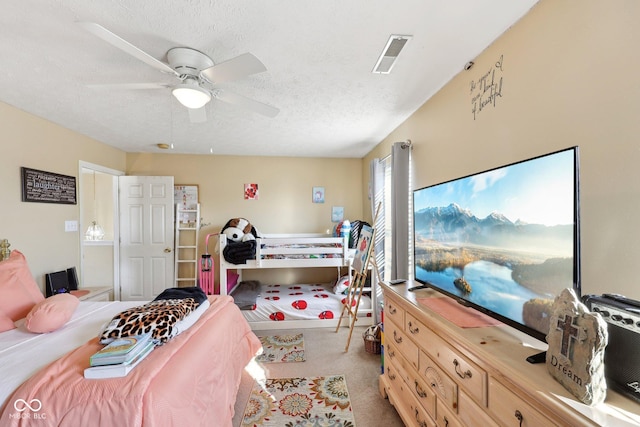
pixel 70 226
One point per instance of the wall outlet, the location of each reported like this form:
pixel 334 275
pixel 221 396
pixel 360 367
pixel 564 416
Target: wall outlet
pixel 70 226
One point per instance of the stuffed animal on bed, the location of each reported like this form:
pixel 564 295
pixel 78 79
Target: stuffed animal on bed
pixel 239 230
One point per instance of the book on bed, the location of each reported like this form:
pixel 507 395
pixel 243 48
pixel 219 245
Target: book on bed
pixel 121 369
pixel 120 350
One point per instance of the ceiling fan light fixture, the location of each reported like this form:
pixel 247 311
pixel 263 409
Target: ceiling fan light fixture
pixel 191 95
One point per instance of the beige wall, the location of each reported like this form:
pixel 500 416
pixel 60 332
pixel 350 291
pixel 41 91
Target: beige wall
pixel 570 77
pixel 285 183
pixel 284 204
pixel 37 229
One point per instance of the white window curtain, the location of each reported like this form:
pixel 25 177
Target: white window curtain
pixel 380 196
pixel 400 202
pixel 377 171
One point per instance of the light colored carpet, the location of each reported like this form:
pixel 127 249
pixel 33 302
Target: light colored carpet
pixel 282 348
pixel 325 356
pixel 313 402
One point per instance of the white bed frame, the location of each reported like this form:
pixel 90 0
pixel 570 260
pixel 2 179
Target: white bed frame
pixel 290 244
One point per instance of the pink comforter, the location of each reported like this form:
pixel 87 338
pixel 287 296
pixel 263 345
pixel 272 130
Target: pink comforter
pixel 192 380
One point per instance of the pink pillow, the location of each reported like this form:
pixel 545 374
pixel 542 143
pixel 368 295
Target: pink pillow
pixel 6 324
pixel 18 291
pixel 52 313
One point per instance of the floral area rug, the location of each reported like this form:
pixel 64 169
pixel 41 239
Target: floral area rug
pixel 297 402
pixel 282 348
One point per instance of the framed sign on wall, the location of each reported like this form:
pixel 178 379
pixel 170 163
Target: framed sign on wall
pixel 186 196
pixel 47 187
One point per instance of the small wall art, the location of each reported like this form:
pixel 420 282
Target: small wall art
pixel 186 196
pixel 318 195
pixel 251 191
pixel 337 213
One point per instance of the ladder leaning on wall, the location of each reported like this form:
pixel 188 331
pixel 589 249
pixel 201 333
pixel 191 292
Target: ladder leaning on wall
pixel 187 229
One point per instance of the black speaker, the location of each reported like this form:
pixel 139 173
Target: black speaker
pixel 72 278
pixel 621 362
pixel 57 283
pixel 60 282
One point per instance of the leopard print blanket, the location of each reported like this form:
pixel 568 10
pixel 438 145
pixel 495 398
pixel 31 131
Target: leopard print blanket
pixel 157 317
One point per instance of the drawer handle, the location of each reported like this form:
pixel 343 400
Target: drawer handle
pixel 519 417
pixel 392 354
pixel 392 310
pixel 420 423
pixel 461 374
pixel 419 390
pixel 446 421
pixel 396 339
pixel 413 330
pixel 392 377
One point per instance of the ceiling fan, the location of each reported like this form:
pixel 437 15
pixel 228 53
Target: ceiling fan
pixel 196 73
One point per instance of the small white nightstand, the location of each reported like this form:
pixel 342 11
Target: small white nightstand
pixel 102 293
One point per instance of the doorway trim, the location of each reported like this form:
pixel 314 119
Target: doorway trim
pixel 83 165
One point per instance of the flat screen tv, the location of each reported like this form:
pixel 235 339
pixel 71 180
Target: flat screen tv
pixel 504 241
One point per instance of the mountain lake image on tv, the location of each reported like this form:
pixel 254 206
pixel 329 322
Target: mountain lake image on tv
pixel 504 241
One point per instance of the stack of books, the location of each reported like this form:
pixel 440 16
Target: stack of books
pixel 119 357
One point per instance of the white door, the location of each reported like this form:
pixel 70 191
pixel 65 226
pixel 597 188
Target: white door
pixel 146 236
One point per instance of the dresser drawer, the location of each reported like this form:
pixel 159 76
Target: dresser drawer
pixel 423 393
pixel 394 335
pixel 394 380
pixel 466 373
pixel 416 414
pixel 393 311
pixel 410 409
pixel 511 410
pixel 470 414
pixel 391 353
pixel 395 389
pixel 418 331
pixel 442 386
pixel 447 419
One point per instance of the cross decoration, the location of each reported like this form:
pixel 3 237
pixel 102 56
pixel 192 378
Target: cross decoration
pixel 569 332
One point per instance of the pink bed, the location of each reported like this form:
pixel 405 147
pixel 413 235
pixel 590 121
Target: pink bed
pixel 191 380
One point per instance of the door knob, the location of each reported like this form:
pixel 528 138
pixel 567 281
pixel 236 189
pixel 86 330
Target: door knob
pixel 167 250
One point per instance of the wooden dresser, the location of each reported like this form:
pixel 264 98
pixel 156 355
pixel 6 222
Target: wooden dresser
pixel 436 373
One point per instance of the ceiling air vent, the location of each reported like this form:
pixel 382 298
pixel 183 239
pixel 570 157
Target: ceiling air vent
pixel 390 53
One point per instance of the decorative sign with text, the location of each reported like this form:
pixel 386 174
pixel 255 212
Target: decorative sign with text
pixel 487 89
pixel 47 187
pixel 577 339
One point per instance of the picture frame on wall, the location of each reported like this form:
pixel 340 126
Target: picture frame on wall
pixel 337 213
pixel 317 195
pixel 251 192
pixel 185 195
pixel 47 187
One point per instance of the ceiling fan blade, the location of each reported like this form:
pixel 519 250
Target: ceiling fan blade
pixel 197 115
pixel 133 86
pixel 250 104
pixel 233 69
pixel 120 43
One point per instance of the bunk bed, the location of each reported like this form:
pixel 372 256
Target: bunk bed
pixel 280 306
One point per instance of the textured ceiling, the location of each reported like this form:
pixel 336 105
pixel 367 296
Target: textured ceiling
pixel 318 54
